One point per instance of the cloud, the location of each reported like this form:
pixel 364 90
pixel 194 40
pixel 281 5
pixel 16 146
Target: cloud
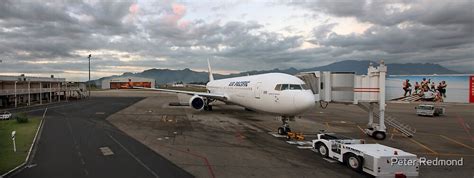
pixel 133 9
pixel 157 37
pixel 128 36
pixel 401 31
pixel 393 12
pixel 412 38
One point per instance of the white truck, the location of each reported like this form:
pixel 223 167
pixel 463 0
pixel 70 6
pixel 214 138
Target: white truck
pixel 5 115
pixel 429 110
pixel 374 159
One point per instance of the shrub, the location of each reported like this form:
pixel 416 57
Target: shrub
pixel 21 118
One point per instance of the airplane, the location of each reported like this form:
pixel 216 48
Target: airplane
pixel 274 93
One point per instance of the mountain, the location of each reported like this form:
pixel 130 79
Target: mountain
pixel 359 67
pixel 162 76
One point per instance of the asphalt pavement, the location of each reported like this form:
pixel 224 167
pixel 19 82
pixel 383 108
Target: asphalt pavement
pixel 77 141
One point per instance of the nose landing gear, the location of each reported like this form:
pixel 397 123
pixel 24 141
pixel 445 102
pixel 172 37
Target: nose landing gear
pixel 285 128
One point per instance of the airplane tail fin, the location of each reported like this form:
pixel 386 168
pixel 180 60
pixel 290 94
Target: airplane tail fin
pixel 211 77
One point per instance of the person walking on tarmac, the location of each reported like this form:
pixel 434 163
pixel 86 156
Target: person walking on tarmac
pixel 407 87
pixel 442 88
pixel 417 87
pixel 433 87
pixel 424 85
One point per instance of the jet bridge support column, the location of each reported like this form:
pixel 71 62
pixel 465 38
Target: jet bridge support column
pixel 41 93
pixel 382 72
pixel 378 130
pixel 29 92
pixel 59 91
pixel 371 114
pixel 16 99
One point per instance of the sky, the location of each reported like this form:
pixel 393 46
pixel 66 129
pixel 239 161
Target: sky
pixel 40 38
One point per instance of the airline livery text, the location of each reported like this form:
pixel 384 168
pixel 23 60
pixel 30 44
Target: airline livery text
pixel 239 83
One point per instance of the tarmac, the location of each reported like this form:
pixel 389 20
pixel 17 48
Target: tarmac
pixel 232 142
pixel 76 141
pixel 150 138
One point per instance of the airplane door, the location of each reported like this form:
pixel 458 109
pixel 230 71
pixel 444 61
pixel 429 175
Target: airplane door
pixel 258 90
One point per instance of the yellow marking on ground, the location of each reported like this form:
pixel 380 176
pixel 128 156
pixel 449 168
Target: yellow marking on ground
pixel 459 143
pixel 362 130
pixel 393 133
pixel 327 126
pixel 423 146
pixel 424 133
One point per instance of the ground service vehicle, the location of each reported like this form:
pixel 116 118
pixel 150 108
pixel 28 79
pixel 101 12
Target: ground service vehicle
pixel 429 110
pixel 295 136
pixel 374 159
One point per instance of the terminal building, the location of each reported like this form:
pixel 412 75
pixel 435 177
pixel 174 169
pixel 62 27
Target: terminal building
pixel 17 91
pixel 127 82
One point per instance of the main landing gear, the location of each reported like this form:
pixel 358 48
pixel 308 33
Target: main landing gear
pixel 285 128
pixel 207 105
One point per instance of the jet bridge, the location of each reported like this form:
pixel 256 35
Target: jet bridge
pixel 366 91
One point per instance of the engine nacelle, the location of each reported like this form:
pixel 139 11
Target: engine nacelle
pixel 197 103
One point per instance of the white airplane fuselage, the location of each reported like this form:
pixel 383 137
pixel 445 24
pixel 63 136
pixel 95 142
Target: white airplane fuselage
pixel 259 93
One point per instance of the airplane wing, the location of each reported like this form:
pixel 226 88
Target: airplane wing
pixel 203 94
pixel 196 85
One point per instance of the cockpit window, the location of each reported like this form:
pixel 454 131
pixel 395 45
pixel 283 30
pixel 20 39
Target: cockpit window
pixel 305 87
pixel 278 87
pixel 295 87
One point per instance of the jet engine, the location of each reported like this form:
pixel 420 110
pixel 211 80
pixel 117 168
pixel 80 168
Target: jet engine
pixel 197 103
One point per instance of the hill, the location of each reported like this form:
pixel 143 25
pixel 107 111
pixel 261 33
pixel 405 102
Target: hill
pixel 359 67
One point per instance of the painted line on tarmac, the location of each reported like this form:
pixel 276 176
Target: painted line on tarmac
pixel 463 125
pixel 76 145
pixel 362 131
pixel 360 128
pixel 424 146
pixel 329 160
pixel 327 126
pixel 459 143
pixel 45 110
pixel 204 158
pixel 392 133
pixel 36 139
pixel 52 107
pixel 395 132
pixel 133 156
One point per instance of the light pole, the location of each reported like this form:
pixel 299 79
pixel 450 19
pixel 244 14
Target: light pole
pixel 13 139
pixel 89 82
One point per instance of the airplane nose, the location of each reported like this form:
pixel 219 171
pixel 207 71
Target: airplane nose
pixel 304 101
